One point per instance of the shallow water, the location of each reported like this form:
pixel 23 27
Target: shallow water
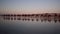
pixel 29 27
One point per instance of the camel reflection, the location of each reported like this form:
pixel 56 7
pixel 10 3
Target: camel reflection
pixel 33 17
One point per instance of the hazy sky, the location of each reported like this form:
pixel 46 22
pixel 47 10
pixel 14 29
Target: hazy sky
pixel 29 6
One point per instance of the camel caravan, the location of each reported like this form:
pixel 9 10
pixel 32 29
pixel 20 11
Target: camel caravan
pixel 33 17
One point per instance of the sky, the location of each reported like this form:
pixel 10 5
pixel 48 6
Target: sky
pixel 29 6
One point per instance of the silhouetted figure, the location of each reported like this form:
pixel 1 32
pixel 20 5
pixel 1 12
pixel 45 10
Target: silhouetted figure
pixel 18 18
pixel 59 15
pixel 28 15
pixel 55 15
pixel 41 15
pixel 8 15
pixel 22 19
pixel 37 15
pixel 25 15
pixel 37 19
pixel 32 14
pixel 45 19
pixel 28 19
pixel 14 15
pixel 45 15
pixel 18 15
pixel 49 15
pixel 11 18
pixel 25 19
pixel 59 20
pixel 14 18
pixel 41 20
pixel 6 18
pixel 32 19
pixel 49 20
pixel 55 21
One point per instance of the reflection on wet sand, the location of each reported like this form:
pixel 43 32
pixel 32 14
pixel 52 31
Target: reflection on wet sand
pixel 33 17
